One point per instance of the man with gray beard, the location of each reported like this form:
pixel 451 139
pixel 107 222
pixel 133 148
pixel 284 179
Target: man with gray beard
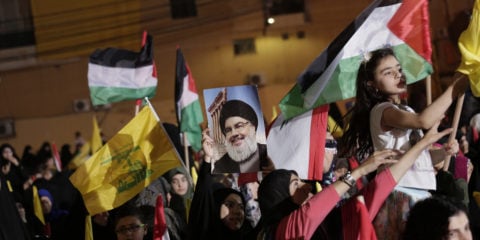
pixel 238 123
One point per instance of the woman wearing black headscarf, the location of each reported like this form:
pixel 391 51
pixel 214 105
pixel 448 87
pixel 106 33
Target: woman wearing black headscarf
pixel 217 212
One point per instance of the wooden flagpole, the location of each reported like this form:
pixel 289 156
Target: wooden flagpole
pixel 185 150
pixel 456 120
pixel 428 88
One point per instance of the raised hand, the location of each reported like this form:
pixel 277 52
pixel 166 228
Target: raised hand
pixel 379 158
pixel 207 145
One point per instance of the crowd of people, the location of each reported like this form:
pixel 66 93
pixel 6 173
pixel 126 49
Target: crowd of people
pixel 384 181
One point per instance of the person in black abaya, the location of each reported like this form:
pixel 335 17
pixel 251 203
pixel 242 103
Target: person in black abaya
pixel 11 225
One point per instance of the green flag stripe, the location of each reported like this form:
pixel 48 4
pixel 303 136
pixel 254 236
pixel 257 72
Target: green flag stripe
pixel 104 95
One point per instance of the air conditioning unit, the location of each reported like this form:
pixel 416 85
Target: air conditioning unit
pixel 257 79
pixel 7 128
pixel 81 105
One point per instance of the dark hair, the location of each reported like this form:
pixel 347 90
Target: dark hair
pixel 429 218
pixel 129 210
pixel 3 161
pixel 6 145
pixel 357 141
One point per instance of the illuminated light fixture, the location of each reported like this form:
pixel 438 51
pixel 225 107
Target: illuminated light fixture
pixel 271 20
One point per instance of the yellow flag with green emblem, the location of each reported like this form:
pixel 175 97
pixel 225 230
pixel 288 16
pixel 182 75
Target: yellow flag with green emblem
pixel 138 154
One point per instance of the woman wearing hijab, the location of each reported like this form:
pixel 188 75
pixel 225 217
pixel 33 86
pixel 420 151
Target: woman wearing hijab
pixel 181 191
pixel 290 211
pixel 217 212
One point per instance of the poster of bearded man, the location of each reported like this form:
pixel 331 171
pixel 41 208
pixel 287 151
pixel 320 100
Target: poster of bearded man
pixel 237 127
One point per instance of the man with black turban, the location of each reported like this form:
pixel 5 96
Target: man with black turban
pixel 238 123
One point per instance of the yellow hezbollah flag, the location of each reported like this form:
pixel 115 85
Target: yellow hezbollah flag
pixel 469 44
pixel 126 164
pixel 37 205
pixel 96 138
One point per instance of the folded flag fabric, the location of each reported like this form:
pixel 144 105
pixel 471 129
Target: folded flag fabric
pixel 189 112
pixel 469 45
pixel 138 154
pixel 117 74
pixel 305 148
pixel 402 25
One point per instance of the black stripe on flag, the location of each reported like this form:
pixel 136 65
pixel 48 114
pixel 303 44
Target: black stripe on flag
pixel 318 66
pixel 180 73
pixel 122 58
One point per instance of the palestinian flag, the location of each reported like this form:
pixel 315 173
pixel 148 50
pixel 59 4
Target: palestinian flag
pixel 305 148
pixel 189 112
pixel 117 74
pixel 402 25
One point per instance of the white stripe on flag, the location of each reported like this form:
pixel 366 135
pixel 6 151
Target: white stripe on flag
pixel 102 76
pixel 293 154
pixel 188 96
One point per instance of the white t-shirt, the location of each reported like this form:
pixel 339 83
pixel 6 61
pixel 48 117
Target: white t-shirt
pixel 421 175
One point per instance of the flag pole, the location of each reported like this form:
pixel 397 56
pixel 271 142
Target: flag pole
pixel 185 149
pixel 138 103
pixel 456 119
pixel 428 86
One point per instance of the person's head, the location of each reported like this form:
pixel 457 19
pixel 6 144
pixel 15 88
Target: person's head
pixel 380 77
pixel 130 223
pixel 178 180
pixel 281 186
pixel 438 218
pixel 179 184
pixel 231 207
pixel 238 122
pixel 7 151
pixel 46 199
